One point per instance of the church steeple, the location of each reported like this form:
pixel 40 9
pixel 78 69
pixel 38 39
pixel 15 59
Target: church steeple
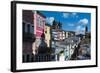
pixel 86 29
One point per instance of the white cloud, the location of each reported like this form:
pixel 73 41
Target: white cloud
pixel 83 29
pixel 66 15
pixel 80 30
pixel 83 21
pixel 49 20
pixel 73 14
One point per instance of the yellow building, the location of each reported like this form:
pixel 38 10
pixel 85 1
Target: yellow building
pixel 66 34
pixel 48 34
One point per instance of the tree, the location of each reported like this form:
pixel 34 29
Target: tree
pixel 54 24
pixel 57 25
pixel 60 25
pixel 86 29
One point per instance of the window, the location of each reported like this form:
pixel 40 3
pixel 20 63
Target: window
pixel 37 20
pixel 45 30
pixel 32 29
pixel 28 28
pixel 23 27
pixel 40 22
pixel 43 23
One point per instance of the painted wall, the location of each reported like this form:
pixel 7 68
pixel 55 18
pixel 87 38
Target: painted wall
pixel 47 35
pixel 66 34
pixel 39 24
pixel 27 47
pixel 28 16
pixel 27 21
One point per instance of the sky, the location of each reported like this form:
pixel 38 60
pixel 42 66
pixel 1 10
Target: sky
pixel 71 21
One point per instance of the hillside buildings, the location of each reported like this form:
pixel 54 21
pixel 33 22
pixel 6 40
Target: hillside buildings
pixel 41 39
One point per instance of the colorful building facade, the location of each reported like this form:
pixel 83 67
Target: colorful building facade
pixel 33 31
pixel 48 35
pixel 39 23
pixel 28 31
pixel 39 30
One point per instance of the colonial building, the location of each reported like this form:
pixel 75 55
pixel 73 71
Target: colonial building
pixel 66 34
pixel 28 31
pixel 39 31
pixel 71 33
pixel 33 31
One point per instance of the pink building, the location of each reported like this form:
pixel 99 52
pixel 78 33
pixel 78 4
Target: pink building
pixel 39 24
pixel 33 31
pixel 39 30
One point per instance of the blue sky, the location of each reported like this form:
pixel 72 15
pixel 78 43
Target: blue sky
pixel 71 21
